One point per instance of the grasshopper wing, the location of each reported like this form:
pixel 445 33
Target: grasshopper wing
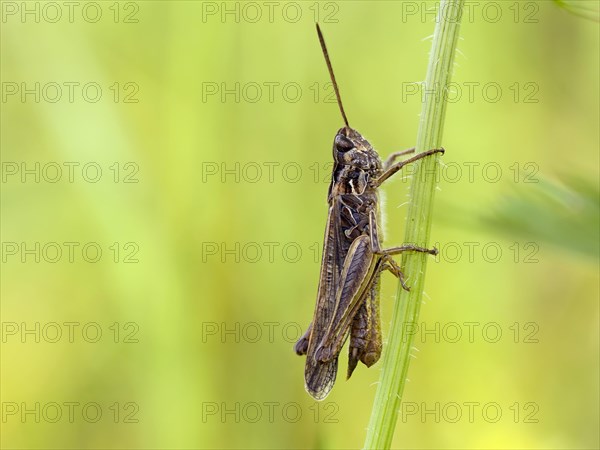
pixel 319 377
pixel 357 277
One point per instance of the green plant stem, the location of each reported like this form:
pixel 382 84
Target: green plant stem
pixel 406 310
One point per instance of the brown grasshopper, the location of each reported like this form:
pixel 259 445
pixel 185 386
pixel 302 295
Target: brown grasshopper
pixel 348 294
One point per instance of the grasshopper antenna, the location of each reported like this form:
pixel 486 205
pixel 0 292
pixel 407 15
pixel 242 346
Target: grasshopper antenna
pixel 331 75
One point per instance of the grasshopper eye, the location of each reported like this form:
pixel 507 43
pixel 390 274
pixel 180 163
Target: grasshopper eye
pixel 343 144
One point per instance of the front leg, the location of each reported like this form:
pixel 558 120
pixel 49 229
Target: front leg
pixel 388 172
pixel 376 246
pixel 390 159
pixel 386 254
pixel 409 248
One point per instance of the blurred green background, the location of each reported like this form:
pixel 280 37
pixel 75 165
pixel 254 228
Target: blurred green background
pixel 199 137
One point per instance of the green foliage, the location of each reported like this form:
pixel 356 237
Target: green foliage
pixel 563 213
pixel 585 9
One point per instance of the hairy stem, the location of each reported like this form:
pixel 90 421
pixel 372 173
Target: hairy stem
pixel 406 310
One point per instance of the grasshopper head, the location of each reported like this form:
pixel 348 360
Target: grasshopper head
pixel 351 149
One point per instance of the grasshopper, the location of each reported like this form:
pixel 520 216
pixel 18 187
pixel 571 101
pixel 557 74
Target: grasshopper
pixel 353 259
